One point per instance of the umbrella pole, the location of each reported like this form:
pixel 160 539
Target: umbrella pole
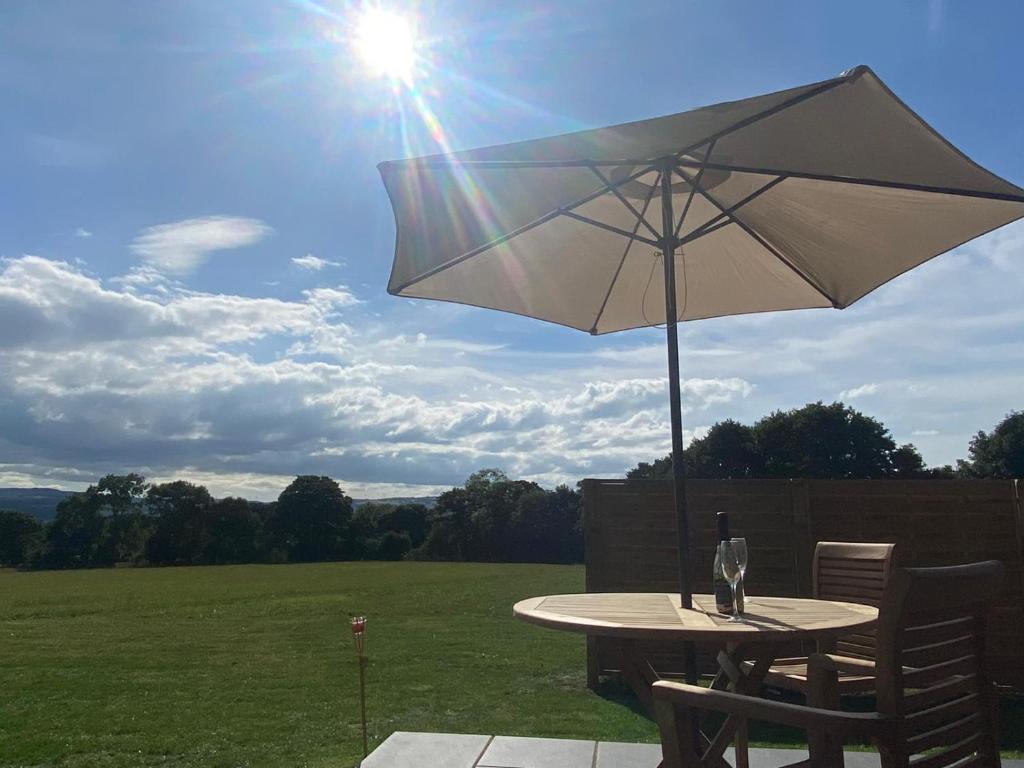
pixel 668 242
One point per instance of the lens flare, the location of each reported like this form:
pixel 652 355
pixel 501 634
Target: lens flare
pixel 386 43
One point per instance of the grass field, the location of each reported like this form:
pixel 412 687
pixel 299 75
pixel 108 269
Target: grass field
pixel 254 665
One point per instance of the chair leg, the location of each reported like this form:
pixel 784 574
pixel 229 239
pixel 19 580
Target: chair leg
pixel 825 748
pixel 741 741
pixel 678 735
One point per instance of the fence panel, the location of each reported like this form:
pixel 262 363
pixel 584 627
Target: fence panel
pixel 630 539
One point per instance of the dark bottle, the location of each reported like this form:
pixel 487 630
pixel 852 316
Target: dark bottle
pixel 723 591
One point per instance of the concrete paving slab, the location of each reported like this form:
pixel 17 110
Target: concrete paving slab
pixel 454 750
pixel 613 754
pixel 525 752
pixel 404 749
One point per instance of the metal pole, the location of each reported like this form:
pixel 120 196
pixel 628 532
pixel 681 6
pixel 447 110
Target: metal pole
pixel 362 699
pixel 668 243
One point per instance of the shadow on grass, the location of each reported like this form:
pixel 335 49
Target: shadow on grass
pixel 1011 716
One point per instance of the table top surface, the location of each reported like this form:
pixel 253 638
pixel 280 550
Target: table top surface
pixel 657 615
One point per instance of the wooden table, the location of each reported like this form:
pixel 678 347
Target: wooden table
pixel 769 623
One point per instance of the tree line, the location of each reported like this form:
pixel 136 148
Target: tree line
pixel 832 442
pixel 123 520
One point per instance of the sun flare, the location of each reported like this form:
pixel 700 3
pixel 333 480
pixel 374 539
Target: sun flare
pixel 386 43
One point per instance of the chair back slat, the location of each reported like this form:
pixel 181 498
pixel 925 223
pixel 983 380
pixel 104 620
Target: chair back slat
pixel 953 754
pixel 853 573
pixel 857 647
pixel 915 701
pixel 931 667
pixel 927 720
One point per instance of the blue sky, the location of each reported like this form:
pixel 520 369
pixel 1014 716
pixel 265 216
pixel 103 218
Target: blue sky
pixel 196 242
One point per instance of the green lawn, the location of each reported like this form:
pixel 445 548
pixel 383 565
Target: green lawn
pixel 254 665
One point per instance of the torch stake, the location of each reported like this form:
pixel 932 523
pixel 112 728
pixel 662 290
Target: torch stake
pixel 363 661
pixel 359 637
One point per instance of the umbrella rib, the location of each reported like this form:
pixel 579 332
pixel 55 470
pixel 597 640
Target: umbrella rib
pixel 625 253
pixel 760 240
pixel 615 191
pixel 520 230
pixel 822 88
pixel 722 219
pixel 1013 198
pixel 449 161
pixel 693 189
pixel 600 224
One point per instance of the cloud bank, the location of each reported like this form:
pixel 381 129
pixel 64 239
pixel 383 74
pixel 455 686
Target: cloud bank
pixel 140 372
pixel 180 247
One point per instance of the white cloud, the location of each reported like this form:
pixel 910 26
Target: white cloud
pixel 313 263
pixel 864 390
pixel 1004 247
pixel 143 373
pixel 328 299
pixel 180 247
pixel 83 233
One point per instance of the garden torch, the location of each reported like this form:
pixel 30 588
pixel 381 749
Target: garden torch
pixel 359 636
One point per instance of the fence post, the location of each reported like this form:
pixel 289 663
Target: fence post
pixel 800 517
pixel 1018 510
pixel 591 490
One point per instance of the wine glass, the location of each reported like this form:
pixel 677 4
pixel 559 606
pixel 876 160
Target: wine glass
pixel 740 545
pixel 731 568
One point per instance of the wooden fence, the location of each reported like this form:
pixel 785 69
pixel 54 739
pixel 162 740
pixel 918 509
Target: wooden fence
pixel 629 535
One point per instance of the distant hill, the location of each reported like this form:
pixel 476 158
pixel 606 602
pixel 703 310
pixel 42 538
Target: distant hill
pixel 427 501
pixel 41 502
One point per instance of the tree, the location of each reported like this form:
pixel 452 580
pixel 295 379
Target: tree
pixel 492 518
pixel 907 462
pixel 21 536
pixel 546 527
pixel 75 537
pixel 816 441
pixel 451 536
pixel 824 441
pixel 409 518
pixel 118 494
pixel 234 532
pixel 373 521
pixel 661 468
pixel 182 534
pixel 999 453
pixel 312 519
pixel 394 545
pixel 728 450
pixel 119 499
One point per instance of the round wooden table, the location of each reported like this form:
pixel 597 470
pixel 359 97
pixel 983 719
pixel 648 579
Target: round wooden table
pixel 747 649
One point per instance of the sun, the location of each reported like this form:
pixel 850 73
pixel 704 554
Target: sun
pixel 386 43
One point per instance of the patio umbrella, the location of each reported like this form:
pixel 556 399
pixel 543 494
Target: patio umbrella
pixel 808 197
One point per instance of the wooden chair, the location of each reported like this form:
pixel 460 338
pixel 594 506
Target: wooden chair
pixel 935 700
pixel 852 573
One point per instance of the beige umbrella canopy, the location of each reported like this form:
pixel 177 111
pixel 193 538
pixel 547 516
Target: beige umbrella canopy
pixel 809 197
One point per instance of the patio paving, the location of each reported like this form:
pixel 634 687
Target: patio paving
pixel 455 750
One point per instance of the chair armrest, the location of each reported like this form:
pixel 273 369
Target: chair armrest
pixel 836 663
pixel 840 723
